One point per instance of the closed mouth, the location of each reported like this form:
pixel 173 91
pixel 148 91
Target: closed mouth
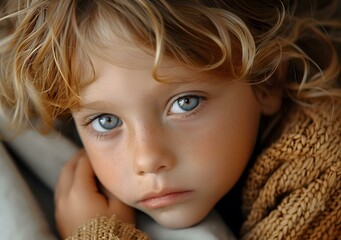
pixel 164 198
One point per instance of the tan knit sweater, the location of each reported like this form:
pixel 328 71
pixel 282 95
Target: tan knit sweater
pixel 293 190
pixel 103 228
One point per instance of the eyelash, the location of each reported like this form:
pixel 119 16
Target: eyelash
pixel 92 118
pixel 92 132
pixel 183 116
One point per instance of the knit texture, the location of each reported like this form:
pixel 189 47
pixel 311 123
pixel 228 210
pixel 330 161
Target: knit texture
pixel 294 189
pixel 103 228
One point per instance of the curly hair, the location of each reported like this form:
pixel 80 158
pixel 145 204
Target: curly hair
pixel 45 60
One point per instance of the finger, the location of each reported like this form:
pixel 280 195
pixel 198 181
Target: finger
pixel 106 192
pixel 85 178
pixel 123 212
pixel 66 176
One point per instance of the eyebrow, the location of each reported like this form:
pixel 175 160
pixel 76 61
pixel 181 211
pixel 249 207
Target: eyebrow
pixel 107 106
pixel 96 105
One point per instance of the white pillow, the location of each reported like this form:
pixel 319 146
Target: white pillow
pixel 211 228
pixel 20 216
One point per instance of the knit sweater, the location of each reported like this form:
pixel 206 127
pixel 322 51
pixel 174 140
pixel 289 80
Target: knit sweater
pixel 293 191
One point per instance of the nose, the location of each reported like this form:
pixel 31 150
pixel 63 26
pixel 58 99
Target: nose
pixel 152 152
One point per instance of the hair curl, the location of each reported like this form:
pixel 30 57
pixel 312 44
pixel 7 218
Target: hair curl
pixel 45 61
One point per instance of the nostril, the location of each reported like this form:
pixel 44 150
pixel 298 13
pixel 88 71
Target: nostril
pixel 152 157
pixel 161 168
pixel 156 170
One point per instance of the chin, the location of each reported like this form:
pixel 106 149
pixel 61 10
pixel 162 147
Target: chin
pixel 176 221
pixel 176 224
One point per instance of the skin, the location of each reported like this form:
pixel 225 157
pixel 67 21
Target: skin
pixel 174 162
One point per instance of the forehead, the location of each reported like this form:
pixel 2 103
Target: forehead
pixel 111 40
pixel 131 57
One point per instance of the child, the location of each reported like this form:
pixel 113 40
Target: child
pixel 174 101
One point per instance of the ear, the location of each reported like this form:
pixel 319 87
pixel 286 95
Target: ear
pixel 270 93
pixel 270 100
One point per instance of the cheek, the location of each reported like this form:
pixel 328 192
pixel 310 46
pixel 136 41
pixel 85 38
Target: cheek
pixel 221 160
pixel 226 146
pixel 110 167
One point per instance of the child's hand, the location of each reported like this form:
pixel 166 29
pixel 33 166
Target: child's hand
pixel 78 198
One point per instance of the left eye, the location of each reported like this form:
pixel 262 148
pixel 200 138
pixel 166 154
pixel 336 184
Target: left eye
pixel 106 122
pixel 185 104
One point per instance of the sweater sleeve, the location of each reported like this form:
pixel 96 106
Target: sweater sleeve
pixel 107 229
pixel 293 190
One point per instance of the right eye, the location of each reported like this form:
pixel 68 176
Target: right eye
pixel 105 123
pixel 185 104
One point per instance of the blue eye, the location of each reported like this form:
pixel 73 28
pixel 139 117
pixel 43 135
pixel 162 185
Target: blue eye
pixel 185 104
pixel 105 123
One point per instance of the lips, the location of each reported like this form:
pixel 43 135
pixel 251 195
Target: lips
pixel 164 198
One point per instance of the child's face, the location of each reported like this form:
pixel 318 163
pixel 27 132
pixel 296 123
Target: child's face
pixel 171 150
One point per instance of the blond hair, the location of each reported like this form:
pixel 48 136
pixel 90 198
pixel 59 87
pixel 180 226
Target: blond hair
pixel 45 61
